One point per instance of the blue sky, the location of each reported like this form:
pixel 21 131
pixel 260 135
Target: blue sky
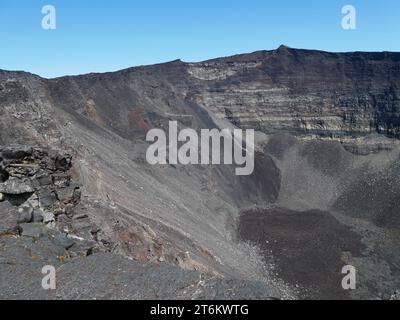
pixel 97 36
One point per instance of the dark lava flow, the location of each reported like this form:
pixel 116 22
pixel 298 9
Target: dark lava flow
pixel 306 247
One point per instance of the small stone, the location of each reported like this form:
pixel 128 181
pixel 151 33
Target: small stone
pixel 48 200
pixel 37 215
pixel 45 180
pixel 48 217
pixel 66 194
pixel 33 230
pixel 16 186
pixel 61 239
pixel 25 214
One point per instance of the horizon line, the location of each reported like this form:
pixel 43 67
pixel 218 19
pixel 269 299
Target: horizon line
pixel 281 47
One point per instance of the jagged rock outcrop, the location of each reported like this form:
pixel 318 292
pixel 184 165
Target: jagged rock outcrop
pixel 335 95
pixel 40 198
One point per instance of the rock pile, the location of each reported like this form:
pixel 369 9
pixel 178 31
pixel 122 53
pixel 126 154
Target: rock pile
pixel 38 198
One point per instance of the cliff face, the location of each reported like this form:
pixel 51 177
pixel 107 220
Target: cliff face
pixel 327 139
pixel 350 97
pixel 336 95
pixel 307 93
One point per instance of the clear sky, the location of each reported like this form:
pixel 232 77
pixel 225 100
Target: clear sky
pixel 99 35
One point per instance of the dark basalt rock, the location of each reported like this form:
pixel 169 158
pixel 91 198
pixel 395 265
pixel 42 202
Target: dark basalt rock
pixel 47 200
pixel 45 180
pixel 62 163
pixel 37 215
pixel 33 230
pixel 16 152
pixel 63 240
pixel 4 175
pixel 25 214
pixel 16 186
